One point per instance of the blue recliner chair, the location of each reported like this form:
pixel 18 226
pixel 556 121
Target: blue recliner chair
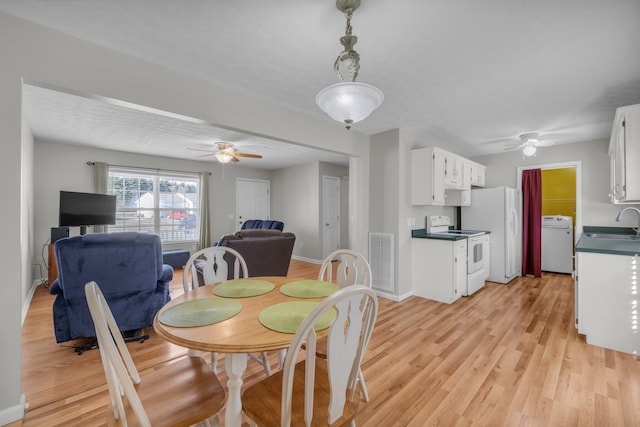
pixel 127 266
pixel 262 224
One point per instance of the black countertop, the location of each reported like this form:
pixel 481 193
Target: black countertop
pixel 421 233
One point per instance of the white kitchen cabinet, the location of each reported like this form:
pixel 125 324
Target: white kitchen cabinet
pixel 607 303
pixel 442 178
pixel 439 269
pixel 467 171
pixel 427 176
pixel 478 173
pixel 458 198
pixel 452 171
pixel 624 153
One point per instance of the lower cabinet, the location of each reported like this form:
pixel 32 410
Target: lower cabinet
pixel 439 269
pixel 607 303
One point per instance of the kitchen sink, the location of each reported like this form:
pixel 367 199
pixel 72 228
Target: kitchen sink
pixel 613 236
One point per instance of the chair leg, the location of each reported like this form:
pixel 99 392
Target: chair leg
pixel 214 363
pixel 363 387
pixel 281 355
pixel 266 364
pixel 194 353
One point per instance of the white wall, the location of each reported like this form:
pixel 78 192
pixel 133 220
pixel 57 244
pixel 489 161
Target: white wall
pixel 64 167
pixel 35 54
pixel 297 203
pixel 390 198
pixel 596 207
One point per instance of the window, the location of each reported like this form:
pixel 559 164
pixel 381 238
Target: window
pixel 158 202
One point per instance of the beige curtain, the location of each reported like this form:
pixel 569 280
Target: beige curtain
pixel 100 180
pixel 205 231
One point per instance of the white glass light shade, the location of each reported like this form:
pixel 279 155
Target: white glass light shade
pixel 223 157
pixel 529 150
pixel 349 102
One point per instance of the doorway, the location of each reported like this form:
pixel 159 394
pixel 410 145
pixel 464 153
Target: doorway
pixel 561 192
pixel 252 200
pixel 330 214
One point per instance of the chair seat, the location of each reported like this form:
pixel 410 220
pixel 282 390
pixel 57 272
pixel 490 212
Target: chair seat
pixel 262 401
pixel 196 394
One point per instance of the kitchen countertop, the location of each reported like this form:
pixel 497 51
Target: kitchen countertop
pixel 608 246
pixel 421 233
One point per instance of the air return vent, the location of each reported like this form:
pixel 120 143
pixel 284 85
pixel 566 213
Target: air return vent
pixel 381 261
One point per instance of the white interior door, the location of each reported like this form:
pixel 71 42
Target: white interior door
pixel 252 200
pixel 331 213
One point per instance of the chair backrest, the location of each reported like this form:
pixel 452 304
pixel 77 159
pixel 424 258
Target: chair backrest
pixel 130 270
pixel 118 365
pixel 356 309
pixel 121 262
pixel 213 263
pixel 264 224
pixel 352 268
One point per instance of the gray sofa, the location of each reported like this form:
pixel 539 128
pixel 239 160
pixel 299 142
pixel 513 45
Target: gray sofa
pixel 267 252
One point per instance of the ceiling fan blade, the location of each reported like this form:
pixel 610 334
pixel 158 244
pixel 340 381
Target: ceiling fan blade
pixel 253 156
pixel 200 149
pixel 513 146
pixel 545 143
pixel 206 155
pixel 234 159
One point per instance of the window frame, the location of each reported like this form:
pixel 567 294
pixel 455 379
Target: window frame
pixel 171 229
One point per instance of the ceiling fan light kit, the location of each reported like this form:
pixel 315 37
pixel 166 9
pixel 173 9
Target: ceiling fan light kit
pixel 530 143
pixel 529 150
pixel 223 157
pixel 349 102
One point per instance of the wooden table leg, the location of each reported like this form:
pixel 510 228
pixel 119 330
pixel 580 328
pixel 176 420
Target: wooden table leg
pixel 235 365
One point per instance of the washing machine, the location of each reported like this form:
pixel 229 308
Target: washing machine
pixel 557 244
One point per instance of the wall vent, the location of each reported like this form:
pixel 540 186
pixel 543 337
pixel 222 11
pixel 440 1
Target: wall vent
pixel 381 261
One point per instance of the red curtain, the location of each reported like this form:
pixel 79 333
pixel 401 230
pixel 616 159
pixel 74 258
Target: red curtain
pixel 532 222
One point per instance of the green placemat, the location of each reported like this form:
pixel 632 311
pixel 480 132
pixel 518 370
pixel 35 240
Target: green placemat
pixel 200 312
pixel 309 289
pixel 287 316
pixel 241 288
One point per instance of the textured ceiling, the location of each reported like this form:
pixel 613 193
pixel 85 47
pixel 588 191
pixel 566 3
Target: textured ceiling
pixel 472 74
pixel 71 119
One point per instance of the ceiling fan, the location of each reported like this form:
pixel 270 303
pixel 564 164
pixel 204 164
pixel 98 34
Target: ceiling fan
pixel 529 142
pixel 226 153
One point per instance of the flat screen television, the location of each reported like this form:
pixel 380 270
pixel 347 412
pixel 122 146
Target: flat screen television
pixel 83 209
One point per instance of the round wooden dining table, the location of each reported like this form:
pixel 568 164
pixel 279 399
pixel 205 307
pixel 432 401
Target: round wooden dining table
pixel 237 336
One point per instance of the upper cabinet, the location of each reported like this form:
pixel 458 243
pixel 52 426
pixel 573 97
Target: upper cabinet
pixel 452 171
pixel 427 176
pixel 624 155
pixel 477 174
pixel 439 177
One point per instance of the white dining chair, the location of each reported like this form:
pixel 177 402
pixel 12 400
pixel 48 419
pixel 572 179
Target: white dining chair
pixel 214 268
pixel 353 268
pixel 180 393
pixel 317 391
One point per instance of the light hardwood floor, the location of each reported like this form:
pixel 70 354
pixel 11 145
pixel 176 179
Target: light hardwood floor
pixel 509 355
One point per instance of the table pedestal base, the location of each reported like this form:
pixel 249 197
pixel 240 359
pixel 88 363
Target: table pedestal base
pixel 235 365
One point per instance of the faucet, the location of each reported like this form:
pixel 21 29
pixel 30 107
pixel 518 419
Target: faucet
pixel 619 217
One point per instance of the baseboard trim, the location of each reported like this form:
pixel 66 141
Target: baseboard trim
pixel 313 261
pixel 27 302
pixel 392 297
pixel 12 413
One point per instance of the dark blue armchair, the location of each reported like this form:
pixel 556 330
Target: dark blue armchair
pixel 128 267
pixel 262 224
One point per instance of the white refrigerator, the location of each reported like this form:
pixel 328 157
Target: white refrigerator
pixel 497 210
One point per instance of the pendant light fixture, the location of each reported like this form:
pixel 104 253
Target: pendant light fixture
pixel 349 101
